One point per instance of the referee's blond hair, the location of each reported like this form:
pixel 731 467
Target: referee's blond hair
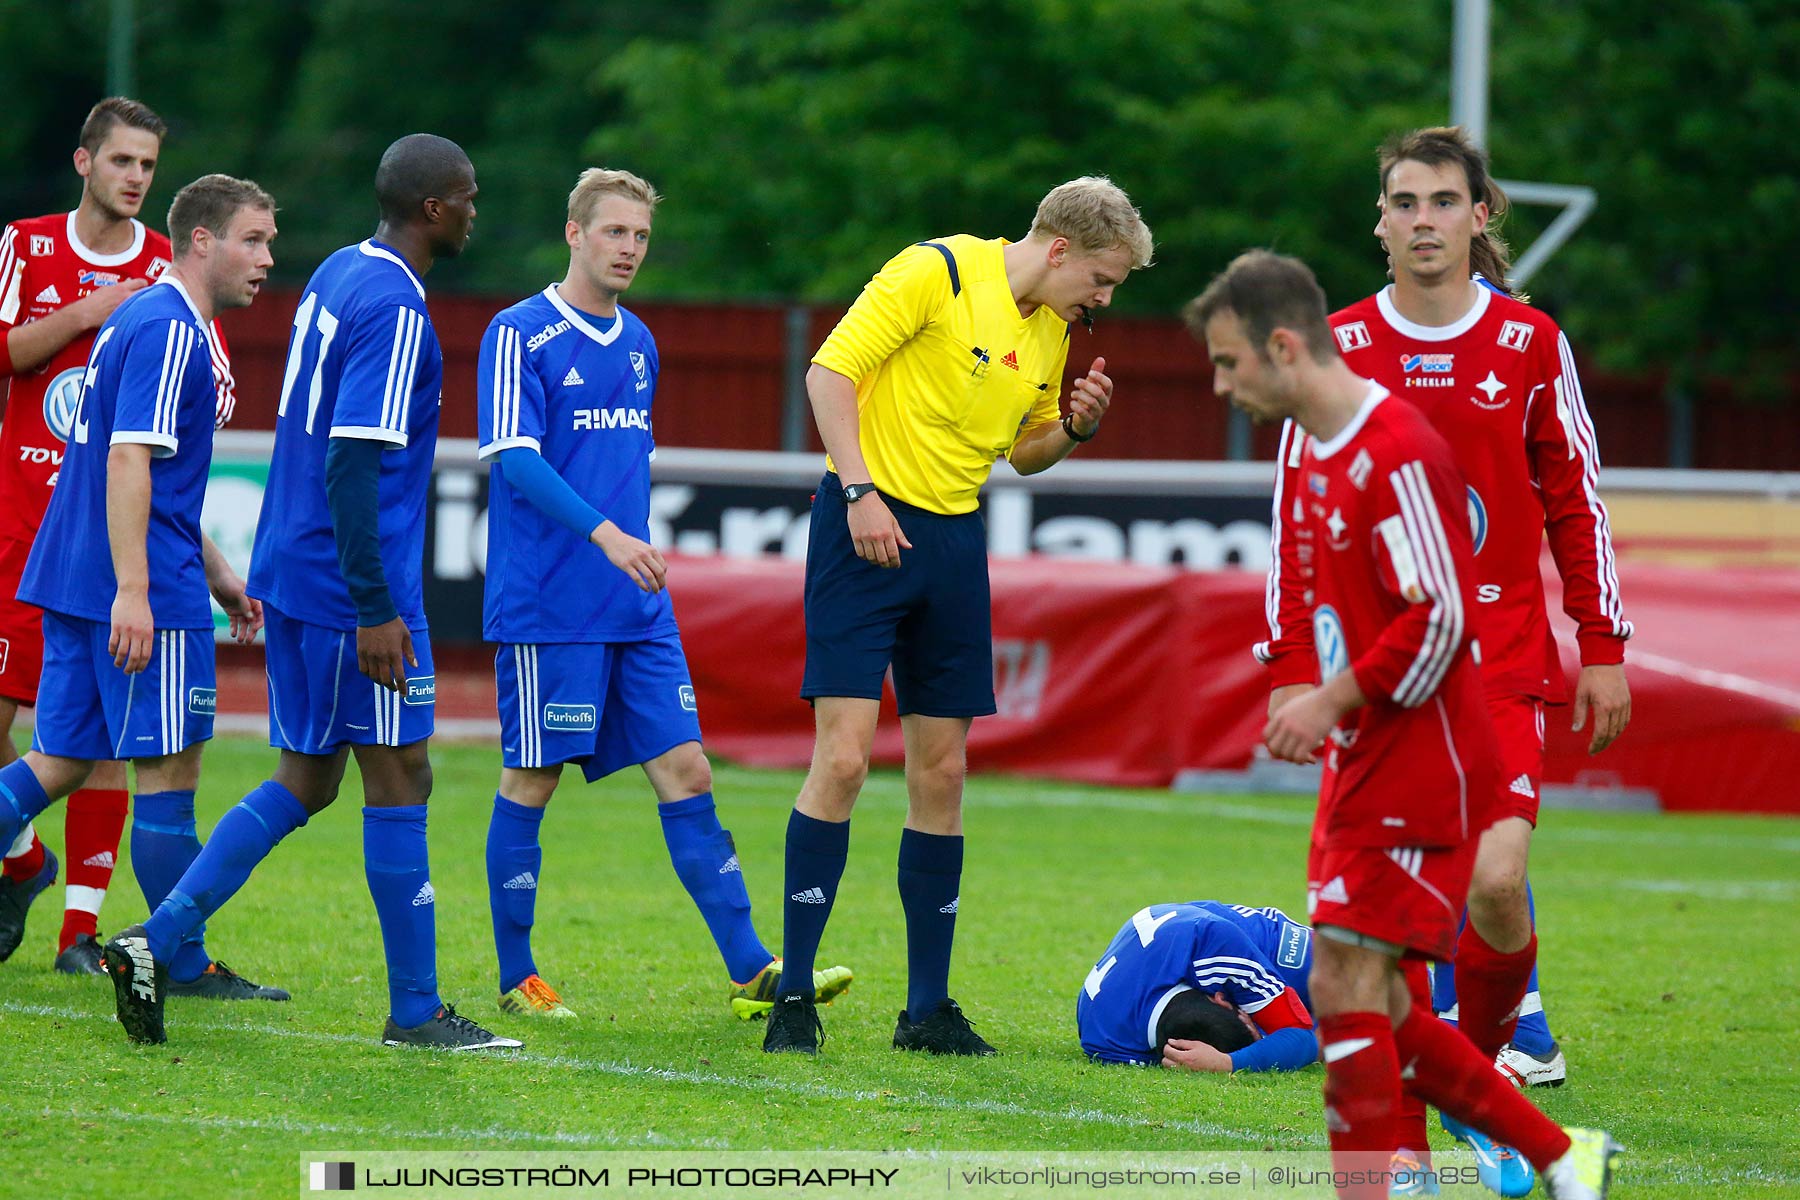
pixel 596 182
pixel 1095 214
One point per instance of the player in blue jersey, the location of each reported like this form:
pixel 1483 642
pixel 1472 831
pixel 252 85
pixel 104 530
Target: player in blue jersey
pixel 590 668
pixel 122 569
pixel 1202 985
pixel 337 564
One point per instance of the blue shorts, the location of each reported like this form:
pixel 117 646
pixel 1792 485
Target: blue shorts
pixel 929 618
pixel 90 709
pixel 605 705
pixel 318 700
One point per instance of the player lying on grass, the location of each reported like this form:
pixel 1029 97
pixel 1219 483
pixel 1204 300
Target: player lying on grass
pixel 598 678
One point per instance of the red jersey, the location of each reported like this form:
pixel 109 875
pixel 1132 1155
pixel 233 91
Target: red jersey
pixel 1394 593
pixel 1500 386
pixel 44 266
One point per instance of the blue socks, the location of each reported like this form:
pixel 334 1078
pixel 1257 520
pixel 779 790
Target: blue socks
pixel 1533 1034
pixel 514 861
pixel 242 838
pixel 930 880
pixel 816 852
pixel 21 798
pixel 706 862
pixel 396 861
pixel 164 845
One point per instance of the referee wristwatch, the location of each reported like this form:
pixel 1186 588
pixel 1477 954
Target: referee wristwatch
pixel 856 491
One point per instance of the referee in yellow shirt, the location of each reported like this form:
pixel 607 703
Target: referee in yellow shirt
pixel 952 356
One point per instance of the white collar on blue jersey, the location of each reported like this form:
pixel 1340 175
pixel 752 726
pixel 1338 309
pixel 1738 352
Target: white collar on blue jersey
pixel 582 323
pixel 168 277
pixel 1324 450
pixel 1384 300
pixel 368 247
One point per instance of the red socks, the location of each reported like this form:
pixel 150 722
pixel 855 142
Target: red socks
pixel 1490 986
pixel 1362 1093
pixel 95 823
pixel 1457 1077
pixel 1411 1131
pixel 26 864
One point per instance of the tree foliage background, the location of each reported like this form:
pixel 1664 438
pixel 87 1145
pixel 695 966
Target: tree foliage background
pixel 800 142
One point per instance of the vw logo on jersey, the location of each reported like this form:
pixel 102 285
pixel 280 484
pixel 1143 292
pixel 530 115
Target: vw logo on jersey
pixel 1329 642
pixel 62 400
pixel 1478 522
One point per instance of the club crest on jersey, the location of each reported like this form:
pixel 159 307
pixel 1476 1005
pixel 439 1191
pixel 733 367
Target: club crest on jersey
pixel 1330 643
pixel 1515 335
pixel 157 267
pixel 1335 529
pixel 1491 387
pixel 1354 336
pixel 62 400
pixel 42 246
pixel 640 366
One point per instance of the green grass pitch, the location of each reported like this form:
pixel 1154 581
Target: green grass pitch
pixel 1669 967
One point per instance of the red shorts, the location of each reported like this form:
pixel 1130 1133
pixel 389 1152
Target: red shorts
pixel 1519 730
pixel 21 629
pixel 1410 896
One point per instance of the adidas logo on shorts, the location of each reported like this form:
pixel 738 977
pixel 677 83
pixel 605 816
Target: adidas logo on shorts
pixel 810 896
pixel 524 881
pixel 1334 893
pixel 951 907
pixel 103 860
pixel 1522 786
pixel 426 896
pixel 731 865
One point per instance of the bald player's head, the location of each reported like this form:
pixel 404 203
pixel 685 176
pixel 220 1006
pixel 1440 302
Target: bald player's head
pixel 418 167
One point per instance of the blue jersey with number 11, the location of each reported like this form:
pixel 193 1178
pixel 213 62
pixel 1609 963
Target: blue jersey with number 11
pixel 363 362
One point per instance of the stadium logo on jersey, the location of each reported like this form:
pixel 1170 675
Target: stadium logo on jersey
pixel 545 334
pixel 1294 941
pixel 684 695
pixel 1354 336
pixel 42 246
pixel 98 278
pixel 1478 521
pixel 611 418
pixel 203 701
pixel 48 296
pixel 1431 364
pixel 1515 335
pixel 62 400
pixel 640 366
pixel 571 718
pixel 1491 387
pixel 1360 466
pixel 1330 643
pixel 157 267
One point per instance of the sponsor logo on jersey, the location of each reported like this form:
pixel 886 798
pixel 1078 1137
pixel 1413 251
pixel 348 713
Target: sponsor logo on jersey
pixel 1330 643
pixel 157 267
pixel 1354 336
pixel 1487 593
pixel 1360 467
pixel 640 366
pixel 48 296
pixel 421 690
pixel 545 334
pixel 1316 484
pixel 203 701
pixel 1294 941
pixel 1491 387
pixel 571 718
pixel 1515 335
pixel 611 418
pixel 684 695
pixel 98 278
pixel 1478 520
pixel 1429 363
pixel 62 400
pixel 42 246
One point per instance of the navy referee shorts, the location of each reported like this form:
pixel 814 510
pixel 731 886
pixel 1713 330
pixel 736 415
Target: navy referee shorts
pixel 929 618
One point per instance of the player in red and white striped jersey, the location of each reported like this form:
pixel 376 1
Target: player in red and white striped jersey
pixel 1414 762
pixel 61 276
pixel 1497 379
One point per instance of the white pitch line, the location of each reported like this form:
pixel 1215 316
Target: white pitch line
pixel 1717 889
pixel 1082 1116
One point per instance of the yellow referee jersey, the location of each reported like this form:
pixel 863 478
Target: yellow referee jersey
pixel 948 375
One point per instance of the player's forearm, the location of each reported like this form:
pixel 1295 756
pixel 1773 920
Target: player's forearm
pixel 1041 449
pixel 536 480
pixel 834 411
pixel 353 494
pixel 128 514
pixel 1287 1049
pixel 35 343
